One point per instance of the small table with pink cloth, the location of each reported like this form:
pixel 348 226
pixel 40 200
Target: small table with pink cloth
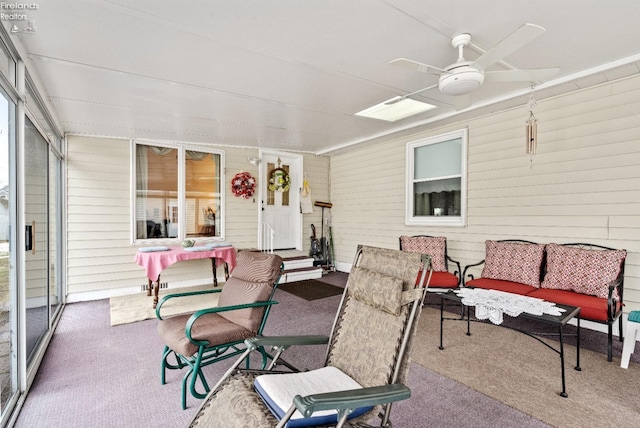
pixel 159 258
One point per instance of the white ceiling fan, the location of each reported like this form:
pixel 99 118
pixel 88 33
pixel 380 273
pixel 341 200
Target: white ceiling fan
pixel 463 77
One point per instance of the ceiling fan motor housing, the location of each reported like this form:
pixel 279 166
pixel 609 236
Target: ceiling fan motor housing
pixel 460 80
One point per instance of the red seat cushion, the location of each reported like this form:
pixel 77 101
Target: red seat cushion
pixel 592 307
pixel 443 280
pixel 500 285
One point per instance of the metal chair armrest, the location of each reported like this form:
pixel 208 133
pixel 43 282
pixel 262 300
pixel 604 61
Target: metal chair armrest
pixel 347 401
pixel 464 274
pixel 458 271
pixel 175 295
pixel 285 341
pixel 216 309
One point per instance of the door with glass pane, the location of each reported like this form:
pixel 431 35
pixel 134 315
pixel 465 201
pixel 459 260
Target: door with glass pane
pixel 280 198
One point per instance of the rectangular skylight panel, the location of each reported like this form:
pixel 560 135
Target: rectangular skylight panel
pixel 395 109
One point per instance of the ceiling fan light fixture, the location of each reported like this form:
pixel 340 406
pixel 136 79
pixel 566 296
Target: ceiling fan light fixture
pixel 460 81
pixel 395 109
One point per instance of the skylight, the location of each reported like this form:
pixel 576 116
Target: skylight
pixel 395 109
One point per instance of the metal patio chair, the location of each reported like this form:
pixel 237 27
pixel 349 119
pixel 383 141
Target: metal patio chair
pixel 436 247
pixel 218 333
pixel 366 360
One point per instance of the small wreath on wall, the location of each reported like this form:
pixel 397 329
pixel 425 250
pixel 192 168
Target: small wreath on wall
pixel 243 185
pixel 279 180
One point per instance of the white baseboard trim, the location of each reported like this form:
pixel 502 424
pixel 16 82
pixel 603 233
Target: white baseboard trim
pixel 87 296
pixel 343 267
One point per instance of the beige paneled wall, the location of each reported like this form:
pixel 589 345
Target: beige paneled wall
pixel 100 255
pixel 98 215
pixel 582 185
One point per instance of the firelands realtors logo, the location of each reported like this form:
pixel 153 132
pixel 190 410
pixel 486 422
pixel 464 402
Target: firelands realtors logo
pixel 20 16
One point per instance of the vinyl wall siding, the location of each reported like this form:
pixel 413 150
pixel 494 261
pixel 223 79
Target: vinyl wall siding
pixel 100 256
pixel 582 185
pixel 317 171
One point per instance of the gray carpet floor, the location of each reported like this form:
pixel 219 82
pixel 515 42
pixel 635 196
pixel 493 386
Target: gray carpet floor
pixel 102 376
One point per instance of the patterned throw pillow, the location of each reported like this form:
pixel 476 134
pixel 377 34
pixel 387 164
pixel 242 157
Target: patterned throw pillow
pixel 431 245
pixel 513 261
pixel 584 271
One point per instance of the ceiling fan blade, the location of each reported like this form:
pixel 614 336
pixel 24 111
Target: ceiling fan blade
pixel 402 97
pixel 417 66
pixel 394 100
pixel 509 44
pixel 530 75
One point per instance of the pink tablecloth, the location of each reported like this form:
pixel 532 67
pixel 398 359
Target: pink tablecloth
pixel 155 262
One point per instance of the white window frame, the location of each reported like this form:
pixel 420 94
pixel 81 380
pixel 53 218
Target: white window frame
pixel 182 205
pixel 430 220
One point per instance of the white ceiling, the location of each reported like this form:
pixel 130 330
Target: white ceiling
pixel 290 74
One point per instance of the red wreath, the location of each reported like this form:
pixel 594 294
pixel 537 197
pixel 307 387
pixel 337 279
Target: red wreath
pixel 243 185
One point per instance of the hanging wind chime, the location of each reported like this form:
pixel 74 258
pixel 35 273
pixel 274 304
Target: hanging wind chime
pixel 531 127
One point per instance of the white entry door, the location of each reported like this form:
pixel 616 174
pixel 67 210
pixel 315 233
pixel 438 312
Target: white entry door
pixel 280 175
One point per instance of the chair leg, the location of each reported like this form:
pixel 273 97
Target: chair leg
pixel 620 326
pixel 185 380
pixel 184 389
pixel 163 374
pixel 265 358
pixel 197 374
pixel 610 344
pixel 195 371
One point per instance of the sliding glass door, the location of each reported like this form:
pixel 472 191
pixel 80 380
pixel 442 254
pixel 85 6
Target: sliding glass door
pixel 36 154
pixel 31 229
pixel 8 295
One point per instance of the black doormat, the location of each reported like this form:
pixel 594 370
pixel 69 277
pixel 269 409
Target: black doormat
pixel 311 289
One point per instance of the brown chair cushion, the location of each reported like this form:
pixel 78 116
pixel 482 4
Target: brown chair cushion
pixel 210 327
pixel 253 266
pixel 252 281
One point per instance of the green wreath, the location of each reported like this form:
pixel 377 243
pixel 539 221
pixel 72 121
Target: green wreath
pixel 279 180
